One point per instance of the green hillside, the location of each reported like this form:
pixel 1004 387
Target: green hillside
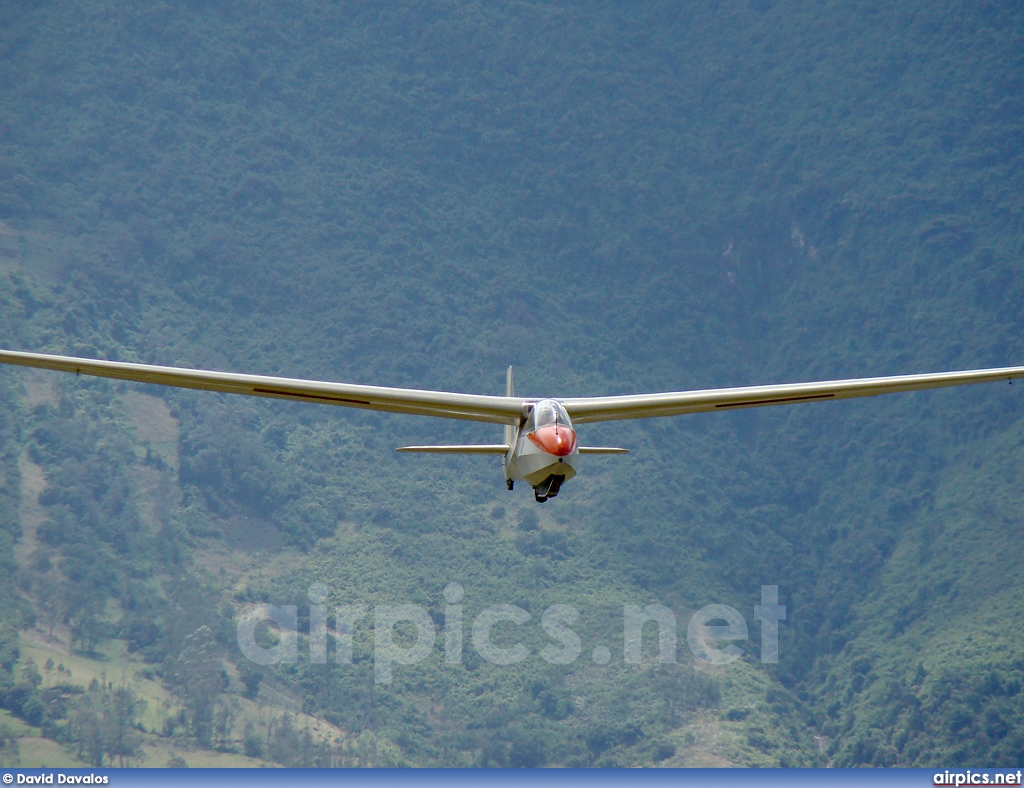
pixel 611 199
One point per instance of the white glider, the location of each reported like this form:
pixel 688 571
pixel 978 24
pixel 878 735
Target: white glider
pixel 539 445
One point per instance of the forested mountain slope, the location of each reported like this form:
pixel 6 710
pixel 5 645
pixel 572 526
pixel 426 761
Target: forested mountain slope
pixel 613 200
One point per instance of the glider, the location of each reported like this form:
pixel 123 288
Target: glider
pixel 539 442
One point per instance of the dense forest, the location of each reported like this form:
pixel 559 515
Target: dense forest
pixel 613 199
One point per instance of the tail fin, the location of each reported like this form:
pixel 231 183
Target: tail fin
pixel 510 391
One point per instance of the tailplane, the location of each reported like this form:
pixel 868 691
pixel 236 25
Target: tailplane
pixel 469 448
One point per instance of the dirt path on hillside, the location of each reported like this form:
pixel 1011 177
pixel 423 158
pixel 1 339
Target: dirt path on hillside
pixel 30 513
pixel 154 425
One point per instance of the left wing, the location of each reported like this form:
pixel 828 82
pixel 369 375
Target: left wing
pixel 641 406
pixel 470 448
pixel 473 407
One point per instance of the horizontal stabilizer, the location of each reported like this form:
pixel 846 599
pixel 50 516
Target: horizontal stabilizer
pixel 602 450
pixel 487 448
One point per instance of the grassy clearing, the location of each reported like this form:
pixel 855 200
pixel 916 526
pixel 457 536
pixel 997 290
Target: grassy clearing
pixel 38 753
pixel 112 663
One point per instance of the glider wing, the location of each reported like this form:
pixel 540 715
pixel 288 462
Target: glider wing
pixel 641 406
pixel 473 407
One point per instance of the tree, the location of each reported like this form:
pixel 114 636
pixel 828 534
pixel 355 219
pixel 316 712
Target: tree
pixel 103 724
pixel 223 725
pixel 85 727
pixel 121 707
pixel 200 679
pixel 10 753
pixel 30 673
pixel 251 676
pixel 253 741
pixel 82 610
pixel 51 595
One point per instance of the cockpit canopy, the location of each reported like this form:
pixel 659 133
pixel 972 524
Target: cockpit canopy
pixel 548 412
pixel 549 429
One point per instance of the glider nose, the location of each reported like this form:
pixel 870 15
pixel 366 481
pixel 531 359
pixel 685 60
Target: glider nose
pixel 555 439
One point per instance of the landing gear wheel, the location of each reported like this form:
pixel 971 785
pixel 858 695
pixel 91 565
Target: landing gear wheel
pixel 548 488
pixel 509 483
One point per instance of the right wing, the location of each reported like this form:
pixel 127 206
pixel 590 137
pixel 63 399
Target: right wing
pixel 473 407
pixel 642 406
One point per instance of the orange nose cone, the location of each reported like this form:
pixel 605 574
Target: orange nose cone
pixel 554 439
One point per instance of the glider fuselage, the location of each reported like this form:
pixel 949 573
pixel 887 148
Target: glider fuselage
pixel 542 450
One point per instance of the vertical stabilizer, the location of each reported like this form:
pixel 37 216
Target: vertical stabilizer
pixel 510 391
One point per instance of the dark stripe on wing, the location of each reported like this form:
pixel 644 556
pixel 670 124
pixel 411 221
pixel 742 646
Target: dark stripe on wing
pixel 319 397
pixel 778 400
